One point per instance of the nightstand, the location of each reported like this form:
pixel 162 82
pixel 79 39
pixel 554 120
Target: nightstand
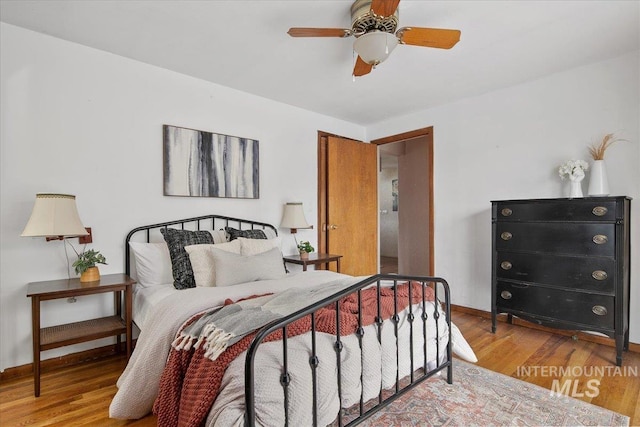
pixel 87 330
pixel 314 259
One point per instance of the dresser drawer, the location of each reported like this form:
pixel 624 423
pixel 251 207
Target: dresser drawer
pixel 569 210
pixel 585 273
pixel 575 307
pixel 557 238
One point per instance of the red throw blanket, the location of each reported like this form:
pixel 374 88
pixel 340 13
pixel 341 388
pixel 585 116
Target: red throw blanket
pixel 191 382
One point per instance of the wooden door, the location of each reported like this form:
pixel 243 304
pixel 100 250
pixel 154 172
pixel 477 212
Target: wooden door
pixel 350 216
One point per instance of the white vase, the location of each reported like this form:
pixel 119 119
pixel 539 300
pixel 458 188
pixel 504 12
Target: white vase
pixel 598 183
pixel 576 189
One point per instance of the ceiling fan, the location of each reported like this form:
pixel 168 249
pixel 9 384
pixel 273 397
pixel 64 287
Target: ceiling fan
pixel 374 24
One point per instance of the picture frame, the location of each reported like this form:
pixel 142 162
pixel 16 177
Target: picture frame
pixel 198 163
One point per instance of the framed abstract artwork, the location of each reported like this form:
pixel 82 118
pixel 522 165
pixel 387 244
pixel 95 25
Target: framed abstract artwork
pixel 206 164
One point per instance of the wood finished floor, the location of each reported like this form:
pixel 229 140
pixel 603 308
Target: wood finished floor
pixel 388 265
pixel 80 395
pixel 515 346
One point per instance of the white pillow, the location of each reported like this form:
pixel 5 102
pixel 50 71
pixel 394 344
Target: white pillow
pixel 270 233
pixel 202 262
pixel 231 269
pixel 219 236
pixel 152 263
pixel 258 246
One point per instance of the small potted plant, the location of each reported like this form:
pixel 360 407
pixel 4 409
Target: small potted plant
pixel 85 265
pixel 305 249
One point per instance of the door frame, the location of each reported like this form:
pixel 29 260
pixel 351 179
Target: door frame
pixel 428 134
pixel 322 183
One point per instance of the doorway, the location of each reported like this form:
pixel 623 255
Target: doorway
pixel 388 202
pixel 415 231
pixel 406 202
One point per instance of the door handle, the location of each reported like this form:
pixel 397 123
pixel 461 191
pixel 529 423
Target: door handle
pixel 333 227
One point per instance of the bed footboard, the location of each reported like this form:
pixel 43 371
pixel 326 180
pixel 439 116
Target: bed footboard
pixel 415 359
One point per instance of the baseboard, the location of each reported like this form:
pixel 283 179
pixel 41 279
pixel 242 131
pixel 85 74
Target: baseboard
pixel 520 322
pixel 58 362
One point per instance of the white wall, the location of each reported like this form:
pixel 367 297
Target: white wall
pixel 81 121
pixel 508 144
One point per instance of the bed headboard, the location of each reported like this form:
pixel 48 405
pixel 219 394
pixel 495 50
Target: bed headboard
pixel 146 233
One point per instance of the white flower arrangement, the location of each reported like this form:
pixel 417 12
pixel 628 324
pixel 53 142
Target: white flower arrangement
pixel 574 169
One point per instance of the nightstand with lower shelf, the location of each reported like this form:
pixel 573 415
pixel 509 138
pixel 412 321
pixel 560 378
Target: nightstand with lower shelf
pixel 87 330
pixel 314 259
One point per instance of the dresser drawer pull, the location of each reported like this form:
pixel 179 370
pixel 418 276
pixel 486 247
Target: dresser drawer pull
pixel 506 295
pixel 506 212
pixel 599 310
pixel 600 211
pixel 600 239
pixel 599 275
pixel 506 265
pixel 505 235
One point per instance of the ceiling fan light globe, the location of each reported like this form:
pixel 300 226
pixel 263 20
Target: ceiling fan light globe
pixel 375 47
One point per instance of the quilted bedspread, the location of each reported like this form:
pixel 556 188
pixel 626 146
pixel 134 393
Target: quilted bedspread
pixel 191 381
pixel 139 383
pixel 199 391
pixel 374 364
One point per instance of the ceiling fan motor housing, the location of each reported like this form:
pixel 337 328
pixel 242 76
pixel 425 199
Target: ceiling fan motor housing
pixel 364 21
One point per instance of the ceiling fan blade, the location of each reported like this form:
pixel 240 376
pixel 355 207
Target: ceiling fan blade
pixel 428 37
pixel 319 32
pixel 361 68
pixel 384 8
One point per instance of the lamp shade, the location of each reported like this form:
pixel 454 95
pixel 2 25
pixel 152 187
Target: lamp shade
pixel 293 217
pixel 375 47
pixel 54 215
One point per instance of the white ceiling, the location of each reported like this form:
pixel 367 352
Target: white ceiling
pixel 244 45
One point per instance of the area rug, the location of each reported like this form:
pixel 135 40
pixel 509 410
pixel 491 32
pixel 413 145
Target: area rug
pixel 479 397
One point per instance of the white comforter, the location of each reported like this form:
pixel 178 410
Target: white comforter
pixel 138 385
pixel 379 368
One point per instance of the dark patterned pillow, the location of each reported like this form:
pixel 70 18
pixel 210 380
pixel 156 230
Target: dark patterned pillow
pixel 180 264
pixel 247 234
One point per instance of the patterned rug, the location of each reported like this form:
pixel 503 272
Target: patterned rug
pixel 479 397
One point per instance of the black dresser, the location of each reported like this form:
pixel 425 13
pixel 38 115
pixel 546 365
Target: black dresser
pixel 563 263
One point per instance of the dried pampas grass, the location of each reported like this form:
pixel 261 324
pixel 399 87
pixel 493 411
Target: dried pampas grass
pixel 597 150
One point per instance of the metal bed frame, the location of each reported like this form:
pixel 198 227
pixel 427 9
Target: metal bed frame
pixel 416 376
pixel 364 410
